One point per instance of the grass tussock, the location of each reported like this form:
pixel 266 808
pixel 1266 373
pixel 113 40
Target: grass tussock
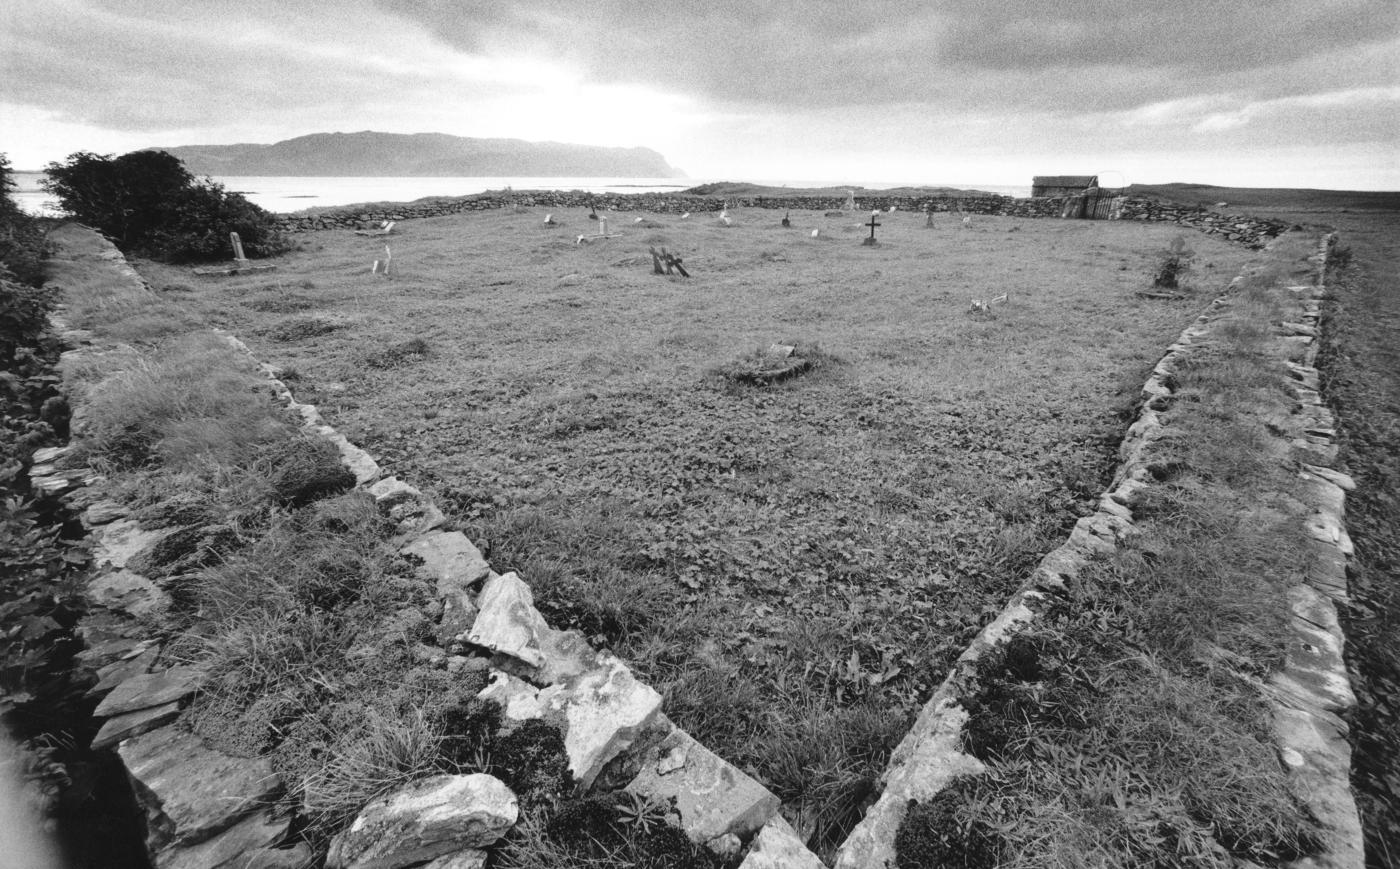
pixel 195 400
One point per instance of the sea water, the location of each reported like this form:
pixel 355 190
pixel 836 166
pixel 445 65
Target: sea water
pixel 287 194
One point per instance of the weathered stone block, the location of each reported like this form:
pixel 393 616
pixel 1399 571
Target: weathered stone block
pixel 712 796
pixel 449 559
pixel 507 621
pixel 601 714
pixel 430 818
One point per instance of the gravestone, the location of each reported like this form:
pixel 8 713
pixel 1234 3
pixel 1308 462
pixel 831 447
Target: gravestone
pixel 928 217
pixel 850 200
pixel 787 222
pixel 871 242
pixel 238 257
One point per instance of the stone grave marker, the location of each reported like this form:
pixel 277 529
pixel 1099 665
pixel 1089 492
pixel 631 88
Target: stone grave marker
pixel 240 261
pixel 850 200
pixel 871 242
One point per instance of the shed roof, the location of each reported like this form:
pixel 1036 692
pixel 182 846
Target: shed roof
pixel 1065 181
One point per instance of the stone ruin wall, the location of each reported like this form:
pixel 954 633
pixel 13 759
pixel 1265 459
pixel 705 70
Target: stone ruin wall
pixel 1253 232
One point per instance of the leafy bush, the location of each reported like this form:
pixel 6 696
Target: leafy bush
pixel 147 202
pixel 21 244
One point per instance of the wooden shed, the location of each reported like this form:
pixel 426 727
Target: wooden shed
pixel 1062 185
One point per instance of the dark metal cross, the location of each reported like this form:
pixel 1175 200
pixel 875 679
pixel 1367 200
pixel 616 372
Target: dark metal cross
pixel 872 224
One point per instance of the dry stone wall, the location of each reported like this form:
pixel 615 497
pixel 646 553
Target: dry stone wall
pixel 1309 695
pixel 1251 231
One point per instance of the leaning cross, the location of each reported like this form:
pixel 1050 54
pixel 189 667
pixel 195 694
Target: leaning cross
pixel 872 224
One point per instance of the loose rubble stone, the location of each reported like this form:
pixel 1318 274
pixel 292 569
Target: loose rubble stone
pixel 713 797
pixel 507 621
pixel 601 714
pixel 150 689
pixel 436 816
pixel 127 592
pixel 121 541
pixel 458 615
pixel 468 859
pixel 518 699
pixel 190 792
pixel 391 491
pixel 777 846
pixel 449 559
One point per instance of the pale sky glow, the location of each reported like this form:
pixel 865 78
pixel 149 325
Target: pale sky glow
pixel 1295 93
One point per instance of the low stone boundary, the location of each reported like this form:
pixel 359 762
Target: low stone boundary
pixel 207 809
pixel 1308 695
pixel 1251 231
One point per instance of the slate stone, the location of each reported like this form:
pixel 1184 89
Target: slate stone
pixel 238 847
pixel 713 798
pixel 190 792
pixel 433 817
pixel 136 663
pixel 127 592
pixel 298 856
pixel 150 689
pixel 130 724
pixel 458 615
pixel 121 540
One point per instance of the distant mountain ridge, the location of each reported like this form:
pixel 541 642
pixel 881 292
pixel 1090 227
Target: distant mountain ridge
pixel 421 154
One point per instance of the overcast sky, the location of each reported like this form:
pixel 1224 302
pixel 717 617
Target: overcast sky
pixel 1296 93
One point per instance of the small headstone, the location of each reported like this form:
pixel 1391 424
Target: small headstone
pixel 850 200
pixel 549 220
pixel 928 218
pixel 816 232
pixel 893 209
pixel 686 215
pixel 637 220
pixel 238 256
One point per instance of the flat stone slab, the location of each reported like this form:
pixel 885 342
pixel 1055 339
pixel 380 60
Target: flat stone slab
pixel 713 797
pixel 135 664
pixel 128 592
pixel 150 689
pixel 189 791
pixel 518 699
pixel 121 540
pixel 130 724
pixel 431 818
pixel 449 559
pixel 469 859
pixel 235 848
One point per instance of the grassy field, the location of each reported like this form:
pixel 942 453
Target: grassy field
pixel 794 566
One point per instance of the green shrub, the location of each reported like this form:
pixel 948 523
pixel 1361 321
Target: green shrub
pixel 147 202
pixel 21 242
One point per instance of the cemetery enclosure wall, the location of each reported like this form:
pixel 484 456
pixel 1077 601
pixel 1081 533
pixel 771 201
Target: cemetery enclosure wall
pixel 1251 231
